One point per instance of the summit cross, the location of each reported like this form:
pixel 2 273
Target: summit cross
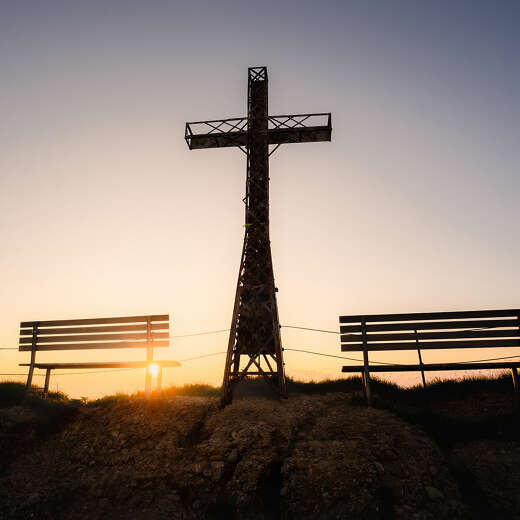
pixel 255 347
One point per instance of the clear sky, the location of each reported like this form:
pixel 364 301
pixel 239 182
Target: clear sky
pixel 104 211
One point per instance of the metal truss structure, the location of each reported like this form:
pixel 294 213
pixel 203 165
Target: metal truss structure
pixel 254 347
pixel 284 129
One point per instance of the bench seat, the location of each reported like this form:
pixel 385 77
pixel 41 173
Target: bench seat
pixel 108 364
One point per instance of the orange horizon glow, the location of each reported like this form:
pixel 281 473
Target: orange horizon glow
pixel 413 206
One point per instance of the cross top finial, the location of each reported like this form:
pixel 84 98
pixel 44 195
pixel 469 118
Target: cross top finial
pixel 257 73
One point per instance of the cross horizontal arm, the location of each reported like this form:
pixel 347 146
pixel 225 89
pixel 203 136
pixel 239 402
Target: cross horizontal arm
pixel 301 128
pixel 216 134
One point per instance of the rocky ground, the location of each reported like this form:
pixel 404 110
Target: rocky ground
pixel 310 456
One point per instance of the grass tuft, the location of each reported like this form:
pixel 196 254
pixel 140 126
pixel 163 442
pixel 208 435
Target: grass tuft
pixel 21 418
pixel 13 394
pixel 348 385
pixel 193 390
pixel 439 389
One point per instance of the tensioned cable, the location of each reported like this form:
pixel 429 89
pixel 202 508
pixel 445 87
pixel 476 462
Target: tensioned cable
pixel 287 348
pixel 77 373
pixel 489 359
pixel 21 375
pixel 406 364
pixel 334 356
pixel 114 370
pixel 203 356
pixel 354 335
pixel 307 328
pixel 95 372
pixel 201 333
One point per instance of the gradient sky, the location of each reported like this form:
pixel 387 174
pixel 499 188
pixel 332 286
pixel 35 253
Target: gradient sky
pixel 413 206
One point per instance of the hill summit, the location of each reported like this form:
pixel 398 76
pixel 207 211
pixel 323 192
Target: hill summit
pixel 310 456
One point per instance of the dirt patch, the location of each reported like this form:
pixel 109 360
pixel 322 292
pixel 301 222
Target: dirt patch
pixel 492 474
pixel 365 463
pixel 479 405
pixel 305 457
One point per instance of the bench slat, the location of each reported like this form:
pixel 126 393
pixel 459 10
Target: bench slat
pixel 432 366
pixel 387 327
pixel 456 334
pixel 95 321
pixel 430 316
pixel 89 346
pixel 88 330
pixel 373 347
pixel 93 337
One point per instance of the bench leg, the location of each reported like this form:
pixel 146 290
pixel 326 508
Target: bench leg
pixel 366 377
pixel 159 381
pixel 33 360
pixel 47 381
pixel 422 369
pixel 366 370
pixel 31 372
pixel 147 382
pixel 514 375
pixel 29 379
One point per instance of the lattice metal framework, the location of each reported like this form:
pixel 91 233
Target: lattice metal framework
pixel 254 347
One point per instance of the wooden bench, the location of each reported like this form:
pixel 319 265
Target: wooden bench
pixel 430 330
pixel 146 332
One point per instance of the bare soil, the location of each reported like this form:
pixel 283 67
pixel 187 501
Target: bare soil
pixel 310 456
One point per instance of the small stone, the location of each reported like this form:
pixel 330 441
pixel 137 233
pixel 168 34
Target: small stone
pixel 379 467
pixel 217 470
pixel 433 493
pixel 391 454
pixel 233 456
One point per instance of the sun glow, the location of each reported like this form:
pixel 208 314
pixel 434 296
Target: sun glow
pixel 153 368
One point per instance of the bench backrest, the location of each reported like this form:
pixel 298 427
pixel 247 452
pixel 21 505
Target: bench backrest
pixel 95 333
pixel 430 330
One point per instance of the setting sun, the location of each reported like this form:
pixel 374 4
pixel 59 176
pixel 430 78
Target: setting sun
pixel 153 369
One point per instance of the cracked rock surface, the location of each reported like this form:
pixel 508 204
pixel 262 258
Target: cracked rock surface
pixel 306 457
